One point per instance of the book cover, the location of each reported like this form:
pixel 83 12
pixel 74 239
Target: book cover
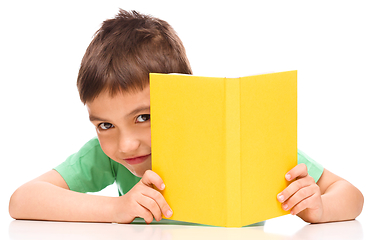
pixel 223 145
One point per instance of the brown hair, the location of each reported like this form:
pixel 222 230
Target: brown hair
pixel 125 50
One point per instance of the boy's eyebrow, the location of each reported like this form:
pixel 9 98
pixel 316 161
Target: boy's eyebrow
pixel 93 118
pixel 139 109
pixel 133 112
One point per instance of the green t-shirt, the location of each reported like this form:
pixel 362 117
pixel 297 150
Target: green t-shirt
pixel 90 170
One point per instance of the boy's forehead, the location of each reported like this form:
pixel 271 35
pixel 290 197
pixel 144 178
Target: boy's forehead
pixel 125 102
pixel 131 95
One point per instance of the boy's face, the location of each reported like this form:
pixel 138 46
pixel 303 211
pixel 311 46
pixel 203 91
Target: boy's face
pixel 123 126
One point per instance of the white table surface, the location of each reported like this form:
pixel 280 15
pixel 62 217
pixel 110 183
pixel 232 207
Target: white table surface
pixel 286 227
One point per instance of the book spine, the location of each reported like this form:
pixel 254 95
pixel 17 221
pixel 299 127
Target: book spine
pixel 233 168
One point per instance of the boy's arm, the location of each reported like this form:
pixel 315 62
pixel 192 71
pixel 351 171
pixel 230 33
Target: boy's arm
pixel 341 200
pixel 331 199
pixel 49 198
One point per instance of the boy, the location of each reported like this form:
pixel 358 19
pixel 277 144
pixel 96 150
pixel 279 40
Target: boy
pixel 113 83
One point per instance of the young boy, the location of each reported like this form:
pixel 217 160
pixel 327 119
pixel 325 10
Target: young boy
pixel 113 83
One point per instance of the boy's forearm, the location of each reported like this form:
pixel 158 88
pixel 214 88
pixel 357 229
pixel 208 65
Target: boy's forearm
pixel 341 201
pixel 44 201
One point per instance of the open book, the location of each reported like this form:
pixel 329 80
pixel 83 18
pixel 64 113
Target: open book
pixel 223 145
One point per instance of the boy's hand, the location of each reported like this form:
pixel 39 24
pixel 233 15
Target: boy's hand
pixel 302 196
pixel 143 201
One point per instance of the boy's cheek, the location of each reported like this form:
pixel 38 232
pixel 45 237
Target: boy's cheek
pixel 106 149
pixel 109 150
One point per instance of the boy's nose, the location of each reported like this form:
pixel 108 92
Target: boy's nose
pixel 128 143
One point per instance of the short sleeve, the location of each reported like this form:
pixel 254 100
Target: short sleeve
pixel 314 169
pixel 88 170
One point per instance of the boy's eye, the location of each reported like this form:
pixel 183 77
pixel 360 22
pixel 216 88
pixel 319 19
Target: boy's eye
pixel 143 118
pixel 105 126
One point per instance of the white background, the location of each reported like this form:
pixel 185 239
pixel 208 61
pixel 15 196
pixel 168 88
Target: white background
pixel 42 43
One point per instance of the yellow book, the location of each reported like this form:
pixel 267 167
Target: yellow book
pixel 223 145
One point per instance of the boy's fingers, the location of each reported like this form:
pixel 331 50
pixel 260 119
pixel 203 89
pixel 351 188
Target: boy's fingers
pixel 295 187
pixel 300 195
pixel 149 204
pixel 299 171
pixel 145 214
pixel 150 178
pixel 159 200
pixel 305 204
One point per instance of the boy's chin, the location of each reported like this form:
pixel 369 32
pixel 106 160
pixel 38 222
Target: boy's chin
pixel 140 171
pixel 138 174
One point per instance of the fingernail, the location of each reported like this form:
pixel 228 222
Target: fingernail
pixel 285 206
pixel 280 197
pixel 169 213
pixel 287 176
pixel 163 186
